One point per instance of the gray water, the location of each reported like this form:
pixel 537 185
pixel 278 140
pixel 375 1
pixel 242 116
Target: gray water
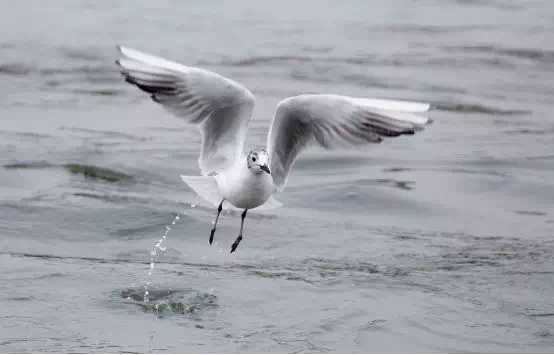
pixel 438 242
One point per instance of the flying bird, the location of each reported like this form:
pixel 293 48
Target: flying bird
pixel 221 109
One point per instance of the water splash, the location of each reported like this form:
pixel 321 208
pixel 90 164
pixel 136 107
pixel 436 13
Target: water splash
pixel 159 246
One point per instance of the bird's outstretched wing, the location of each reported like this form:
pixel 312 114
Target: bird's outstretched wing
pixel 331 121
pixel 219 106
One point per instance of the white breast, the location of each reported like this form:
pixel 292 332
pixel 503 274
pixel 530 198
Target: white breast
pixel 243 188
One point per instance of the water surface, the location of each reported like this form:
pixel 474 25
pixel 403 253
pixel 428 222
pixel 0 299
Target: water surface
pixel 439 242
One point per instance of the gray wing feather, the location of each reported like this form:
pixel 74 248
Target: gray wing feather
pixel 220 107
pixel 332 121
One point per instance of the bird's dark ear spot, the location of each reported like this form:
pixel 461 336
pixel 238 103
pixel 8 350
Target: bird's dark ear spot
pixel 253 159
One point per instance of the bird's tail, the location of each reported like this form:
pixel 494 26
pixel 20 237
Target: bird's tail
pixel 205 187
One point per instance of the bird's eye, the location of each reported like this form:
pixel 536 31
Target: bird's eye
pixel 253 159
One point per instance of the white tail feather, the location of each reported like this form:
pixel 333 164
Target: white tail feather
pixel 205 187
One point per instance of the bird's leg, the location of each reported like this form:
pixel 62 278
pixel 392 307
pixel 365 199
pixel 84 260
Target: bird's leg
pixel 216 219
pixel 239 238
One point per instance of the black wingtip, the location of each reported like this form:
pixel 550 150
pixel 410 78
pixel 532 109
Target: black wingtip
pixel 129 79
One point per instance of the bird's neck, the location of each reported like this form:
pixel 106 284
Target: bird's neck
pixel 250 176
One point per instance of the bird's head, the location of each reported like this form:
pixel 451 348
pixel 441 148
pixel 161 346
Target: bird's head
pixel 258 161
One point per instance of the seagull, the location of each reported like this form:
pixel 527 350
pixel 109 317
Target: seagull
pixel 221 109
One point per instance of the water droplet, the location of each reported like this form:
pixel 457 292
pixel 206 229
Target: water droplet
pixel 158 246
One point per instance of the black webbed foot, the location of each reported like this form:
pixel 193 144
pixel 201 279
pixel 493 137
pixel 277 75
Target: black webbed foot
pixel 212 236
pixel 215 223
pixel 236 243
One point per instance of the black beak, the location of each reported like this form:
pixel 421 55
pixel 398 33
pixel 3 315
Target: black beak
pixel 265 168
